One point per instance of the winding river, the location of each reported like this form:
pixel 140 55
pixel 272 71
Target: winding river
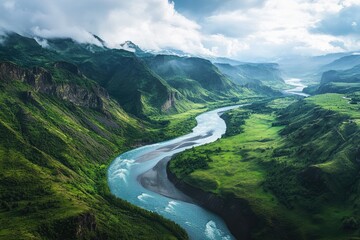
pixel 139 176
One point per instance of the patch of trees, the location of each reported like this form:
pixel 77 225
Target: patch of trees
pixel 188 163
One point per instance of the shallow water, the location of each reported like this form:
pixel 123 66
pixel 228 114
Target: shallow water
pixel 298 87
pixel 124 171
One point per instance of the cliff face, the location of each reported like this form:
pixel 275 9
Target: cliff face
pixel 81 96
pixel 170 102
pixel 42 81
pixel 236 212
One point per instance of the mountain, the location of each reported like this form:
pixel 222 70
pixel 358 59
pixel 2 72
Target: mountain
pixel 132 47
pixel 143 84
pixel 58 130
pixel 341 81
pixel 343 63
pixel 308 68
pixel 196 78
pixel 223 60
pixel 267 74
pixel 127 79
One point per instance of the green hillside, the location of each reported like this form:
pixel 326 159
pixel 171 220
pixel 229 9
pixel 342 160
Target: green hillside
pixel 57 137
pixel 251 74
pixel 195 78
pixel 295 167
pixel 113 69
pixel 66 110
pixel 341 81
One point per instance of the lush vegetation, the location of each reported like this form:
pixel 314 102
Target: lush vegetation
pixel 338 81
pixel 54 155
pixel 146 86
pixel 66 110
pixel 296 164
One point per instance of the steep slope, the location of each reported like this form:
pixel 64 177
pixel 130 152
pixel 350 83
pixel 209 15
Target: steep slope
pixel 135 86
pixel 341 81
pixel 265 80
pixel 343 63
pixel 125 77
pixel 195 78
pixel 267 74
pixel 58 131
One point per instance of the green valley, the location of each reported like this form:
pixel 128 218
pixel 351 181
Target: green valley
pixel 65 112
pixel 180 120
pixel 54 155
pixel 290 164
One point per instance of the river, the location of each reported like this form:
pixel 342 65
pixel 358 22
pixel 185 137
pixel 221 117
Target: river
pixel 298 87
pixel 139 177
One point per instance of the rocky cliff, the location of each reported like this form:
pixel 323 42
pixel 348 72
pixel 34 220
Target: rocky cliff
pixel 41 80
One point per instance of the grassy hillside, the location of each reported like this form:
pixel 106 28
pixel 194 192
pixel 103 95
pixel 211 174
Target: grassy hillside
pixel 56 142
pixel 296 166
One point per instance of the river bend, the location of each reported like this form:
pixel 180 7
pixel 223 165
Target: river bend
pixel 139 176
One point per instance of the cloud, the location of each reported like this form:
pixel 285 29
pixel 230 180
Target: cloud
pixel 152 24
pixel 203 8
pixel 242 29
pixel 338 43
pixel 344 22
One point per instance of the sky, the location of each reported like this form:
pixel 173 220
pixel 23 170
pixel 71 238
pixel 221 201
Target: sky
pixel 238 29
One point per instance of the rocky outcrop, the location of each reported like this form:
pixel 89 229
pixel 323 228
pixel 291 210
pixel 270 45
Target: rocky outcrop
pixel 170 102
pixel 80 96
pixel 42 81
pixel 236 212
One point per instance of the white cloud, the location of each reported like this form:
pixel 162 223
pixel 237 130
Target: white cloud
pixel 152 24
pixel 280 27
pixel 244 30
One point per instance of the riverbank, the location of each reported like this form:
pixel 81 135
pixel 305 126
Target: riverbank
pixel 298 87
pixel 291 163
pixel 132 168
pixel 236 212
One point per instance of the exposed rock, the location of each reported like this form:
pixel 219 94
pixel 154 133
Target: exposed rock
pixel 80 96
pixel 10 71
pixel 170 102
pixel 42 81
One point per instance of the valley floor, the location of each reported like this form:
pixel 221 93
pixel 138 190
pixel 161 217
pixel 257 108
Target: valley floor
pixel 291 161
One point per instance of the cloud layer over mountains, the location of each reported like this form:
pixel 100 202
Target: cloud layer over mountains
pixel 243 29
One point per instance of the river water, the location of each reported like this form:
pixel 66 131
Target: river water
pixel 124 173
pixel 298 87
